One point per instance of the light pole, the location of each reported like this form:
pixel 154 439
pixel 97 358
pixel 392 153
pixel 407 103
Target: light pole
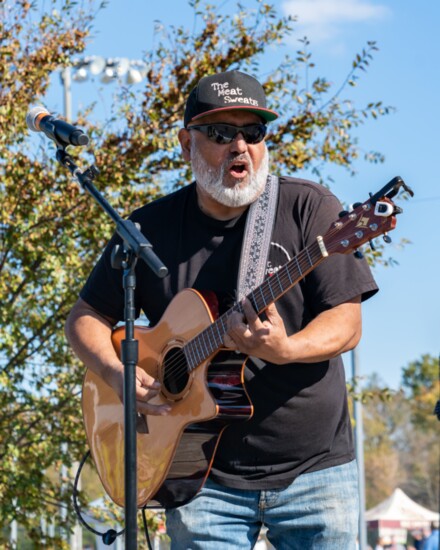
pixel 359 448
pixel 66 79
pixel 107 69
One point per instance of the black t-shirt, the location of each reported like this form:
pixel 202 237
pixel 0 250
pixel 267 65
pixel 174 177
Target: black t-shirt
pixel 301 421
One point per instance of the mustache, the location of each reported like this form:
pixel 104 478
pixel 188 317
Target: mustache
pixel 240 158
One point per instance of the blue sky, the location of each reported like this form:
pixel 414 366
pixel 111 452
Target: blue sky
pixel 401 322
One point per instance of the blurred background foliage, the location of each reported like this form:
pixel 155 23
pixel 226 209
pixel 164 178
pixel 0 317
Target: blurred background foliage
pixel 51 232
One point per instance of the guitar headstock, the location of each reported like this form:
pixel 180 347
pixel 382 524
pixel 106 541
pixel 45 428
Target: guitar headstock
pixel 366 221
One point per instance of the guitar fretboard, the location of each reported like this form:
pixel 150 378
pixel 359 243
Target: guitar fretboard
pixel 210 340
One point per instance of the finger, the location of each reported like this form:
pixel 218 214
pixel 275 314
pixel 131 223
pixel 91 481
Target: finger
pixel 243 339
pixel 149 385
pixel 146 389
pixel 229 342
pixel 272 314
pixel 235 321
pixel 145 394
pixel 251 315
pixel 144 380
pixel 155 410
pixel 146 386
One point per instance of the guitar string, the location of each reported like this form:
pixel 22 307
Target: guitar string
pixel 179 366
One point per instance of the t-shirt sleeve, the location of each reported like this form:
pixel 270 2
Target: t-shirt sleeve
pixel 103 288
pixel 340 277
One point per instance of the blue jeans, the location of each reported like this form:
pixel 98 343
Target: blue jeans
pixel 318 511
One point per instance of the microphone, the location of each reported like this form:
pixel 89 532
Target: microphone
pixel 39 119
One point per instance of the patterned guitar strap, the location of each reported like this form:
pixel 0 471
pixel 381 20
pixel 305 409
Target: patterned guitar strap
pixel 257 237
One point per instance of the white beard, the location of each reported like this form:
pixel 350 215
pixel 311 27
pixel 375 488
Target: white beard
pixel 211 179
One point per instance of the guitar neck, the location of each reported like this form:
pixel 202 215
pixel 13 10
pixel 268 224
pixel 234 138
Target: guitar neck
pixel 210 340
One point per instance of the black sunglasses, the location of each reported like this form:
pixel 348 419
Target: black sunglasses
pixel 226 133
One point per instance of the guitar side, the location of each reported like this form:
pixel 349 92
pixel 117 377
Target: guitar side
pixel 174 452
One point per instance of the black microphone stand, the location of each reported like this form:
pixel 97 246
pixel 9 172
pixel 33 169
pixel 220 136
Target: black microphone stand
pixel 135 246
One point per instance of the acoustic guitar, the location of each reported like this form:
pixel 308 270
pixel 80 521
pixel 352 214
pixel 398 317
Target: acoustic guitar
pixel 202 380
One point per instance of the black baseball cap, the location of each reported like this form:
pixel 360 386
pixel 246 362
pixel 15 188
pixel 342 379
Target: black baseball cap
pixel 224 92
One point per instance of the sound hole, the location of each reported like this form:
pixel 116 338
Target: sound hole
pixel 175 375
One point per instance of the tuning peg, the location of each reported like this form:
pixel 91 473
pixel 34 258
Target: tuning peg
pixel 358 254
pixel 372 245
pixel 387 238
pixel 343 213
pixel 355 205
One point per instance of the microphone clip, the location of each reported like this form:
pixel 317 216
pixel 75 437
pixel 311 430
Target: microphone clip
pixel 84 178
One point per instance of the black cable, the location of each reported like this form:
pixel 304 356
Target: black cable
pixel 109 536
pixel 147 536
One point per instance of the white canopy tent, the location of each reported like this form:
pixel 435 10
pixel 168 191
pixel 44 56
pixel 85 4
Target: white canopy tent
pixel 399 507
pixel 397 515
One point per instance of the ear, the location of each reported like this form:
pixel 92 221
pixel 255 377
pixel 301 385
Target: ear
pixel 185 143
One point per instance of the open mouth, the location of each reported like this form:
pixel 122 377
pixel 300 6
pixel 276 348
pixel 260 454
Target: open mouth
pixel 238 169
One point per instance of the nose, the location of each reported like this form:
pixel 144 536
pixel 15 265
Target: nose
pixel 238 144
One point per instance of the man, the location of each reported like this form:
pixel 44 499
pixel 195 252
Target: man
pixel 433 541
pixel 291 466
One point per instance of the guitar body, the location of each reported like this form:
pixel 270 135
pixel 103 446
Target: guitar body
pixel 174 452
